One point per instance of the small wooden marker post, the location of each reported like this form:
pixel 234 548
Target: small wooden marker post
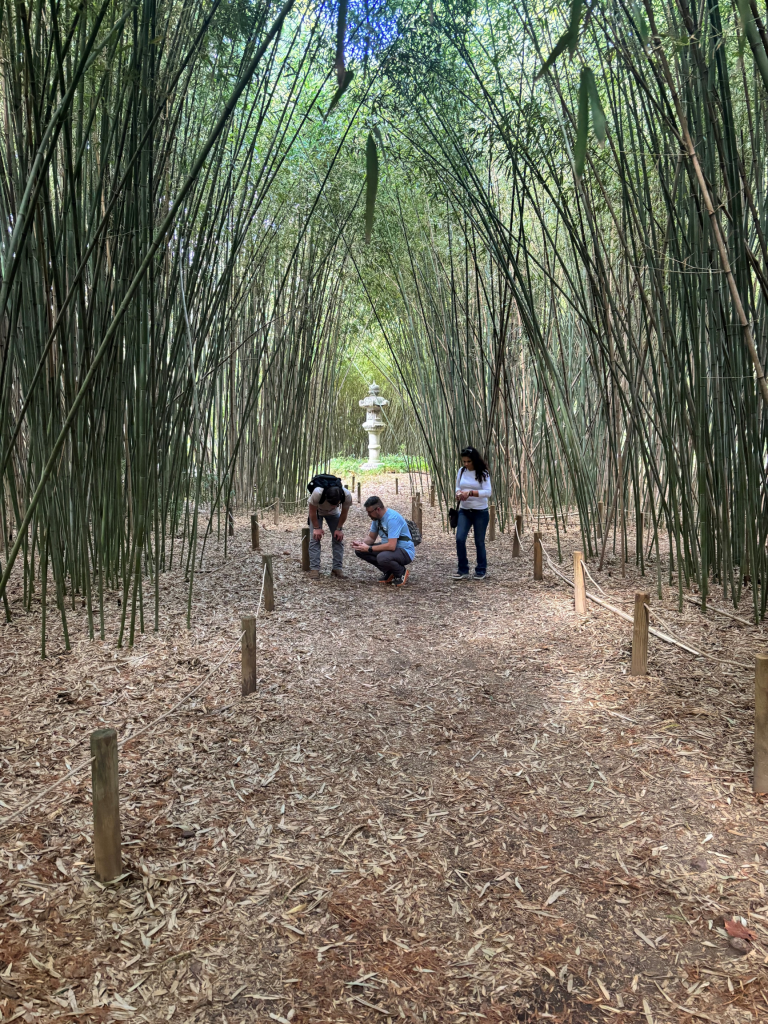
pixel 248 654
pixel 517 536
pixel 269 583
pixel 760 777
pixel 492 522
pixel 538 568
pixel 397 486
pixel 420 515
pixel 579 589
pixel 358 492
pixel 352 488
pixel 254 532
pixel 305 533
pixel 639 664
pixel 600 511
pixel 107 852
pixel 277 512
pixel 432 495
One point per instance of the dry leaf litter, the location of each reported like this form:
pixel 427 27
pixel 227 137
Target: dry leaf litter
pixel 446 802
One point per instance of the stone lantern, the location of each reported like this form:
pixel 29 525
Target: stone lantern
pixel 373 403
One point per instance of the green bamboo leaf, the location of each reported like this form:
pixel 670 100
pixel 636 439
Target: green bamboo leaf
pixel 582 125
pixel 341 29
pixel 596 108
pixel 569 39
pixel 577 9
pixel 745 17
pixel 371 183
pixel 642 25
pixel 349 75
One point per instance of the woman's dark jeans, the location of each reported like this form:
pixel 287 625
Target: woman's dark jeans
pixel 476 518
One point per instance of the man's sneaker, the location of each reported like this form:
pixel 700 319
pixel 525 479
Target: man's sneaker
pixel 400 581
pixel 460 576
pixel 479 576
pixel 388 578
pixel 314 574
pixel 339 574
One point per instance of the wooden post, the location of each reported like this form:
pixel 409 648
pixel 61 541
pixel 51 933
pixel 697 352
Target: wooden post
pixel 269 583
pixel 277 512
pixel 358 492
pixel 107 853
pixel 517 536
pixel 248 654
pixel 352 488
pixel 254 532
pixel 639 664
pixel 579 591
pixel 420 516
pixel 492 522
pixel 397 486
pixel 760 777
pixel 600 513
pixel 432 495
pixel 538 568
pixel 305 534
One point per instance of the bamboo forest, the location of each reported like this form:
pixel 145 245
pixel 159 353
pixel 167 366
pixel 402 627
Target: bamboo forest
pixel 384 511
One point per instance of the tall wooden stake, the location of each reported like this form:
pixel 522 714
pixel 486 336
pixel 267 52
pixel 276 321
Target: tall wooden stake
pixel 760 777
pixel 639 665
pixel 517 536
pixel 269 583
pixel 305 548
pixel 538 567
pixel 600 514
pixel 107 852
pixel 397 486
pixel 254 532
pixel 492 522
pixel 432 495
pixel 579 591
pixel 358 492
pixel 248 654
pixel 352 488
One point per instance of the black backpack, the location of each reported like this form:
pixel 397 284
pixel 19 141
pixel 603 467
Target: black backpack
pixel 415 532
pixel 324 480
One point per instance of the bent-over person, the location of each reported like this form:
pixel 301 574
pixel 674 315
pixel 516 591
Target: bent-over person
pixel 330 502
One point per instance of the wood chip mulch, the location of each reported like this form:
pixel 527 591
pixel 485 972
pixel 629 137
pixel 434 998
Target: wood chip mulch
pixel 446 802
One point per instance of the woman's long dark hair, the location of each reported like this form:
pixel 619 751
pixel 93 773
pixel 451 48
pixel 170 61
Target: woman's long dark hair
pixel 479 464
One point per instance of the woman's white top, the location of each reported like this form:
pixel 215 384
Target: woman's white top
pixel 466 480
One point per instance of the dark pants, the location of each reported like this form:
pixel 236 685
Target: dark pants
pixel 388 561
pixel 476 518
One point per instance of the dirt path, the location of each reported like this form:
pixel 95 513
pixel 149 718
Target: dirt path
pixel 447 802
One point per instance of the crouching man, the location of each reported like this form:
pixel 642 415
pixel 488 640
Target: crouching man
pixel 389 545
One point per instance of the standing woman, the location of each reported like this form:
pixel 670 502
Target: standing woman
pixel 473 489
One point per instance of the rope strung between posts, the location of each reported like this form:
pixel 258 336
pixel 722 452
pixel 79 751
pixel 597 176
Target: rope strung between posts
pixel 701 654
pixel 666 637
pixel 519 538
pixel 129 739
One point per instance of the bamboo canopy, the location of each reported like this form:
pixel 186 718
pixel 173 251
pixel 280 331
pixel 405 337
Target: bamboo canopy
pixel 567 267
